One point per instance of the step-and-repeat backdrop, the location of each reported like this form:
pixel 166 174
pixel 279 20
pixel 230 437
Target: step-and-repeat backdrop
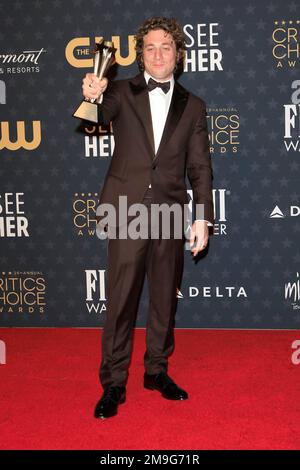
pixel 243 60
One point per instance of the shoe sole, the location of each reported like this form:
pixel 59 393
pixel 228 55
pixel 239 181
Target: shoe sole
pixel 149 387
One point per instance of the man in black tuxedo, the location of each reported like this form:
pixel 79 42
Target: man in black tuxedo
pixel 160 132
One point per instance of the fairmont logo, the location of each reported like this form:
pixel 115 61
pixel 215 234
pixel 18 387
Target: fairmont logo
pixel 21 62
pixel 294 211
pixel 23 57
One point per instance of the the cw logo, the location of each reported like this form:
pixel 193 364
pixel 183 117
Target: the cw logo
pixel 83 43
pixel 21 141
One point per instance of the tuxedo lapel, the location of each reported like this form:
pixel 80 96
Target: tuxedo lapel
pixel 142 107
pixel 177 105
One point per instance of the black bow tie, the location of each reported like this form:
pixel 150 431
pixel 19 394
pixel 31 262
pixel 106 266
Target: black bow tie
pixel 165 86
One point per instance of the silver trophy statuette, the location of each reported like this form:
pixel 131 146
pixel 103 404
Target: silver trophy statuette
pixel 104 58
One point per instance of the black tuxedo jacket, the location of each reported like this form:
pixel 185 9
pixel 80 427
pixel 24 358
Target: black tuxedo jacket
pixel 184 147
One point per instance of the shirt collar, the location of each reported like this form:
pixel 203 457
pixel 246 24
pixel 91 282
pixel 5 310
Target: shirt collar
pixel 148 76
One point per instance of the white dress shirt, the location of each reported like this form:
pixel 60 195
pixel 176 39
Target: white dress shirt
pixel 159 105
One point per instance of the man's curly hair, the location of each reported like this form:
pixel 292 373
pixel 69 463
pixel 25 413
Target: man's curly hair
pixel 171 26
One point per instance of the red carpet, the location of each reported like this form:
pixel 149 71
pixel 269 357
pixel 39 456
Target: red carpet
pixel 244 393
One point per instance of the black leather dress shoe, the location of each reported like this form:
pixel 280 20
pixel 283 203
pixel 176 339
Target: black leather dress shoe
pixel 165 385
pixel 107 406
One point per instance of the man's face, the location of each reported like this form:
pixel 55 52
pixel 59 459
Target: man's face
pixel 159 54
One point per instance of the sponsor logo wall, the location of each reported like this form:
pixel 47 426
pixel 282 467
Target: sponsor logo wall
pixel 243 59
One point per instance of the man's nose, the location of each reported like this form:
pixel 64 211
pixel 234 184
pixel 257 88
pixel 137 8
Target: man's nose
pixel 158 54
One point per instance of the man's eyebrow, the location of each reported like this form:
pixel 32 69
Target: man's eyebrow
pixel 163 43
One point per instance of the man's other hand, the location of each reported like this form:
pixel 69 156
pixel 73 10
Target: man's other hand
pixel 199 236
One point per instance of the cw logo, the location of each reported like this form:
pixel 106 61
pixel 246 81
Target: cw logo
pixel 84 43
pixel 21 141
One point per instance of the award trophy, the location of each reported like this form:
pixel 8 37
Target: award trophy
pixel 104 57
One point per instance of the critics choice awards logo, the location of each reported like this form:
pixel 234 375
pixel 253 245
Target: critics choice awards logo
pixel 84 213
pixel 22 292
pixel 224 125
pixel 286 47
